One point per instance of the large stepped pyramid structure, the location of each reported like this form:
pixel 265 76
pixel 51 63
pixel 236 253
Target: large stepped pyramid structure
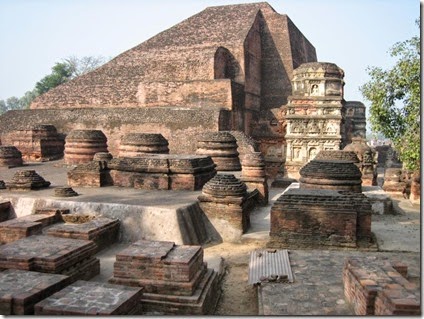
pixel 225 68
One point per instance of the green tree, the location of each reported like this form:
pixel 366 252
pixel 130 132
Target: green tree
pixel 395 100
pixel 61 73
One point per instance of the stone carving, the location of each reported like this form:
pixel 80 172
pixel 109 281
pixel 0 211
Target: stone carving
pixel 319 130
pixel 81 145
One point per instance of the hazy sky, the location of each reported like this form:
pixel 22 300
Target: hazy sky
pixel 35 34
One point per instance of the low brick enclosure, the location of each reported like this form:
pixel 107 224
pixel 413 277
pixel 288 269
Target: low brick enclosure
pixel 20 290
pixel 149 171
pixel 380 287
pixel 37 144
pixel 84 298
pixel 313 218
pixel 174 277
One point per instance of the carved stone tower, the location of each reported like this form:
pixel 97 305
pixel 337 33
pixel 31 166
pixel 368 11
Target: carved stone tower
pixel 314 114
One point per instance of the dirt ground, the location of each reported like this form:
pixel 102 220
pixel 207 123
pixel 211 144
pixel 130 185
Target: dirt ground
pixel 238 297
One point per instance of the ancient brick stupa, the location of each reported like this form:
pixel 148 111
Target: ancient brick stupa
pixel 82 145
pixel 135 144
pixel 222 147
pixel 27 180
pixel 225 68
pixel 331 174
pixel 10 156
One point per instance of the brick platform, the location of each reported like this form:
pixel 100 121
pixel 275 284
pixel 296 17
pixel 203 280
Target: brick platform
pixel 175 278
pixel 313 218
pixel 103 231
pixel 46 254
pixel 20 290
pixel 91 298
pixel 25 226
pixel 375 287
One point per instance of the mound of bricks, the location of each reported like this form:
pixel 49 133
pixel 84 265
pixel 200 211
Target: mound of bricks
pixel 101 230
pixel 26 180
pixel 65 192
pixel 84 298
pixel 20 290
pixel 174 277
pixel 379 287
pixel 29 225
pixel 72 257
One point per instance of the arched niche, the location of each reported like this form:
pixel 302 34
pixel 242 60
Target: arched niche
pixel 226 66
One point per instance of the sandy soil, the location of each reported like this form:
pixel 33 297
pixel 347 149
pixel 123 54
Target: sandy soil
pixel 238 297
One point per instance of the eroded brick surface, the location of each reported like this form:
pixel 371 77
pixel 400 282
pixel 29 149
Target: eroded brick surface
pixel 92 298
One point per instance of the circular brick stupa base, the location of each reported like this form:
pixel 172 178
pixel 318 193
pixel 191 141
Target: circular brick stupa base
pixel 331 174
pixel 82 145
pixel 135 144
pixel 10 156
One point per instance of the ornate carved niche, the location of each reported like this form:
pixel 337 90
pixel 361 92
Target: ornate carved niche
pixel 316 88
pixel 331 128
pixel 313 127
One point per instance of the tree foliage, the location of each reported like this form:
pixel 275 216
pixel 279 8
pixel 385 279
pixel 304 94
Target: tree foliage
pixel 395 100
pixel 62 72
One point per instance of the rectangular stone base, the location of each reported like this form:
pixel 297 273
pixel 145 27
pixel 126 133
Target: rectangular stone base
pixel 92 298
pixel 20 290
pixel 202 302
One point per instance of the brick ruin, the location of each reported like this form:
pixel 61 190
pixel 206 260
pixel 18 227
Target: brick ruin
pixel 368 160
pixel 227 204
pixel 355 120
pixel 331 174
pixel 319 218
pixel 174 278
pixel 81 145
pixel 225 68
pixel 149 171
pixel 27 180
pixel 380 288
pixel 10 156
pixel 134 144
pixel 253 175
pixel 39 143
pixel 222 148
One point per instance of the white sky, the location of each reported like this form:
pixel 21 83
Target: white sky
pixel 35 34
